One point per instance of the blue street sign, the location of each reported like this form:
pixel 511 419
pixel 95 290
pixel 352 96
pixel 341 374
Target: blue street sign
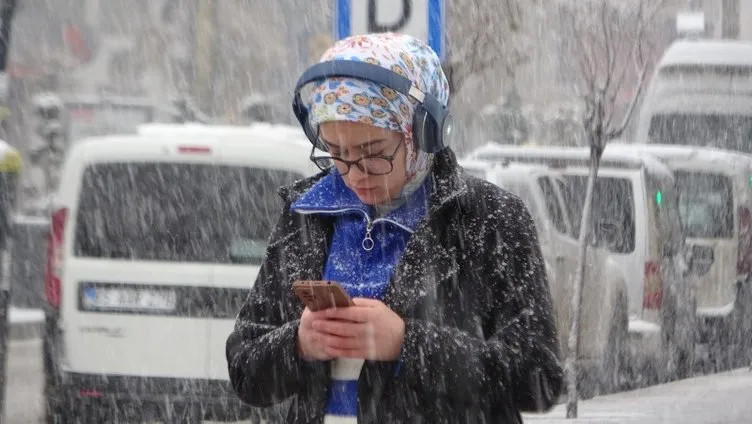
pixel 423 19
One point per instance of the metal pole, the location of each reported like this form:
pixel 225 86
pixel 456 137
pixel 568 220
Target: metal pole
pixel 6 17
pixel 4 328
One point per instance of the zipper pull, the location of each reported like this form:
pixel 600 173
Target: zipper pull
pixel 368 242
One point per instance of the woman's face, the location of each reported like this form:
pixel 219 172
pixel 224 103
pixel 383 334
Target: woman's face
pixel 354 140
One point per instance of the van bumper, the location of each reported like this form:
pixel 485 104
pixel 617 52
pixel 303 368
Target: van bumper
pixel 214 398
pixel 645 342
pixel 714 322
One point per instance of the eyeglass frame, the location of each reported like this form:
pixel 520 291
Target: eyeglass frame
pixel 357 162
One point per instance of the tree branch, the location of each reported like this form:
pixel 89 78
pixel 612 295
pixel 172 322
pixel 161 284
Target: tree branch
pixel 489 38
pixel 606 45
pixel 617 132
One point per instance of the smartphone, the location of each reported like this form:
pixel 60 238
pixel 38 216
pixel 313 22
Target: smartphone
pixel 318 295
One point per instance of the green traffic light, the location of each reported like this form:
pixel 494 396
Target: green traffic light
pixel 658 198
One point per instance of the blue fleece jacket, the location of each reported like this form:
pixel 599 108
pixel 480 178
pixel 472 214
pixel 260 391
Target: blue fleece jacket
pixel 363 253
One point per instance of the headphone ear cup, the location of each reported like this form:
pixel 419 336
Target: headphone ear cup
pixel 446 130
pixel 425 132
pixel 301 113
pixel 312 135
pixel 421 132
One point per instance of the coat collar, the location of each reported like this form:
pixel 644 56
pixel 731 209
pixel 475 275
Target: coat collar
pixel 330 196
pixel 425 263
pixel 445 180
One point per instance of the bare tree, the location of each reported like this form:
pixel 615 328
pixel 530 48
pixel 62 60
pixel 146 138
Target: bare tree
pixel 484 35
pixel 610 46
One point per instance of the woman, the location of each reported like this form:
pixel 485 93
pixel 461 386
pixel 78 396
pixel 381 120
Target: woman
pixel 452 319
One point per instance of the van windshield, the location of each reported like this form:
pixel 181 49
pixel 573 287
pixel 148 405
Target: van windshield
pixel 178 212
pixel 706 205
pixel 732 132
pixel 613 219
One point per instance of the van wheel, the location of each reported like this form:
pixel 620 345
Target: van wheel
pixel 681 357
pixel 587 382
pixel 56 414
pixel 679 334
pixel 685 360
pixel 743 325
pixel 616 356
pixel 58 409
pixel 63 410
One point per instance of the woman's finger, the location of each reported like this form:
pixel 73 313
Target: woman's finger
pixel 339 328
pixel 318 315
pixel 343 343
pixel 351 313
pixel 365 302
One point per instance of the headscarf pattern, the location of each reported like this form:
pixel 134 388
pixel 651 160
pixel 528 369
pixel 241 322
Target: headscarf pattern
pixel 355 100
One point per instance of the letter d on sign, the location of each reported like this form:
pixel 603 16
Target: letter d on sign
pixel 374 26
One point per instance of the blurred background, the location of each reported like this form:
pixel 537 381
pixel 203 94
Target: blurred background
pixel 511 63
pixel 522 73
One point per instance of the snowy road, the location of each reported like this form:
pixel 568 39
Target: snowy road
pixel 718 398
pixel 24 400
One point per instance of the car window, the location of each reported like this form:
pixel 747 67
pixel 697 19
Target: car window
pixel 523 189
pixel 475 172
pixel 177 212
pixel 613 220
pixel 733 132
pixel 706 205
pixel 552 204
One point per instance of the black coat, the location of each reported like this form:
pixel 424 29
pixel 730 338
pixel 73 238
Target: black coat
pixel 480 340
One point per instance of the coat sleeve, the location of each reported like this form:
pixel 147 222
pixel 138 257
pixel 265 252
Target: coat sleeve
pixel 262 358
pixel 517 359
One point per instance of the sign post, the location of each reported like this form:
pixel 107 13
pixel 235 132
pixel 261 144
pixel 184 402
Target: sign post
pixel 423 19
pixel 7 8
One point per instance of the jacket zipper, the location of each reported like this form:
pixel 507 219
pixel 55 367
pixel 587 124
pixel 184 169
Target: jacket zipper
pixel 368 244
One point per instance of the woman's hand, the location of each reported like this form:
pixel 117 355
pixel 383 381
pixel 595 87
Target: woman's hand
pixel 311 345
pixel 368 330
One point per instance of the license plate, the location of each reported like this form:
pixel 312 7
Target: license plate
pixel 129 299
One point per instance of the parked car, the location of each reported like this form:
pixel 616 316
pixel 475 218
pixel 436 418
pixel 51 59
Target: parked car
pixel 700 95
pixel 155 243
pixel 715 204
pixel 636 218
pixel 603 341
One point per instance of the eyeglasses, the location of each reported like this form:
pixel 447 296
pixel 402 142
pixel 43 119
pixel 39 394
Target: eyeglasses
pixel 371 165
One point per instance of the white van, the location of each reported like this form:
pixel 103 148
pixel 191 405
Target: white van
pixel 700 95
pixel 715 204
pixel 603 345
pixel 155 242
pixel 635 218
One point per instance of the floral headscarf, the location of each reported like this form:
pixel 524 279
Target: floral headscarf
pixel 355 100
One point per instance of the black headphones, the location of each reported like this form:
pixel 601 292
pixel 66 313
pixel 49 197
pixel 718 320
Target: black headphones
pixel 432 122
